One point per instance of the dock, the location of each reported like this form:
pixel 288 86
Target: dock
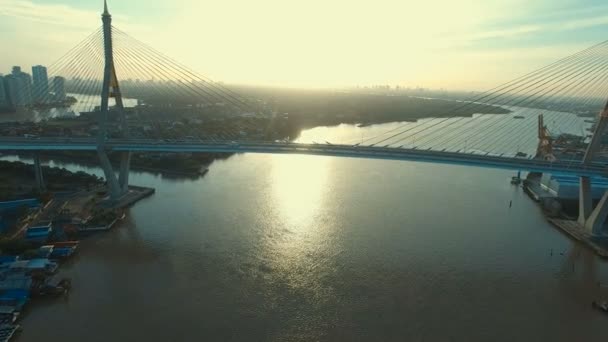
pixel 576 231
pixel 99 228
pixel 559 219
pixel 134 195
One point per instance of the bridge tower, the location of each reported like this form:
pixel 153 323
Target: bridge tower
pixel 593 219
pixel 111 89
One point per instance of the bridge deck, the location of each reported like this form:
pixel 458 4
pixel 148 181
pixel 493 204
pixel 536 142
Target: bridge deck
pixel 370 152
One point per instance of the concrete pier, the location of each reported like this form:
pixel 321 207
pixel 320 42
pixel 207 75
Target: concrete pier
pixel 38 174
pixel 585 203
pixel 596 221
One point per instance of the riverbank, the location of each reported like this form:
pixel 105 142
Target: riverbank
pixel 45 233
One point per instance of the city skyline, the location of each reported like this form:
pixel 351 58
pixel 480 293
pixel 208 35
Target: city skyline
pixel 470 46
pixel 20 89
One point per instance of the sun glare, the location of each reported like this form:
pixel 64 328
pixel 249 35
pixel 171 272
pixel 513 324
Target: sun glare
pixel 299 186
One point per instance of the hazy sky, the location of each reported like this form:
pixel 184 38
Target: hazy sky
pixel 454 44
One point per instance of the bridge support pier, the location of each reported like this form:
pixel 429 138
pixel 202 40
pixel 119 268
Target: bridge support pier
pixel 593 219
pixel 123 177
pixel 585 201
pixel 114 187
pixel 38 173
pixel 595 222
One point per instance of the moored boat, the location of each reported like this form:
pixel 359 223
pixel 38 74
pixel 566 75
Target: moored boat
pixel 65 244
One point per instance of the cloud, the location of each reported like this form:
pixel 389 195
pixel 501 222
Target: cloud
pixel 54 14
pixel 62 16
pixel 28 27
pixel 506 33
pixel 555 25
pixel 583 23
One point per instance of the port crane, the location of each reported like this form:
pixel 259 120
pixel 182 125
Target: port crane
pixel 545 142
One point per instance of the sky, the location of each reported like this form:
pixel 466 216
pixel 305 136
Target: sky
pixel 451 44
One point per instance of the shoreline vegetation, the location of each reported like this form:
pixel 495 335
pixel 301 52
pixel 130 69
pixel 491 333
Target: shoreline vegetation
pixel 173 164
pixel 17 180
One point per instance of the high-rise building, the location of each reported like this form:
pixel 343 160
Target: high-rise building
pixel 59 88
pixel 19 87
pixel 41 83
pixel 4 100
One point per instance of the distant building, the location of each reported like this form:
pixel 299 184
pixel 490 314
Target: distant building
pixel 59 88
pixel 4 100
pixel 19 87
pixel 41 83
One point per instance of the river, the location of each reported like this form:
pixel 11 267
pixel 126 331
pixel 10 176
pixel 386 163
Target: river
pixel 307 248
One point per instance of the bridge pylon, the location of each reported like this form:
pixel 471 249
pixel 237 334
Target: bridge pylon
pixel 40 186
pixel 593 219
pixel 111 89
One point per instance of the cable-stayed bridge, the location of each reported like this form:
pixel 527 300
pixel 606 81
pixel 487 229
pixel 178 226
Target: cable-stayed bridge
pixel 118 79
pixel 369 152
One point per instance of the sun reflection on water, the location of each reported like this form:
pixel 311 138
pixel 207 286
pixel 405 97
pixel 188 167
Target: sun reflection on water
pixel 298 248
pixel 299 184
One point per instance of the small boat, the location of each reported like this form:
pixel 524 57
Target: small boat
pixel 600 306
pixel 518 117
pixel 62 252
pixel 55 288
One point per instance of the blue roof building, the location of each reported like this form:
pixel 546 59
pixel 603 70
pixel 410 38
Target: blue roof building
pixel 567 187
